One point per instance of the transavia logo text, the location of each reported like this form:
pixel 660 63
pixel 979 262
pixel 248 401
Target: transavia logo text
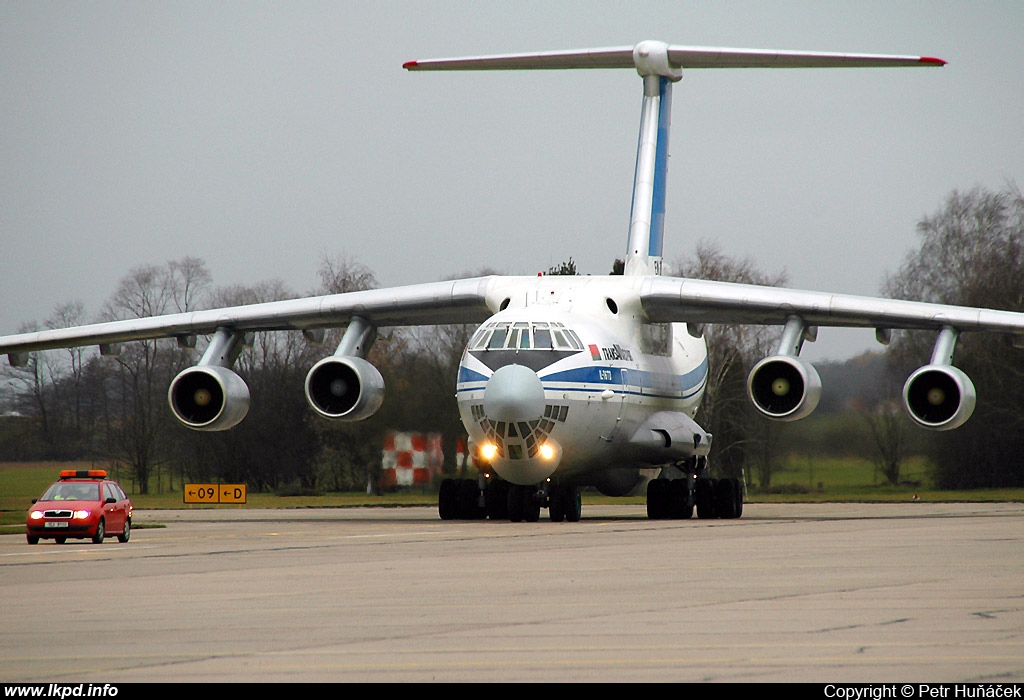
pixel 616 352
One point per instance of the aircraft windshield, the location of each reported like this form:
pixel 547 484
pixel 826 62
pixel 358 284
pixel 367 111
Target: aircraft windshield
pixel 541 335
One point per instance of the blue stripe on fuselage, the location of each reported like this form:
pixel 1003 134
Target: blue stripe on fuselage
pixel 665 385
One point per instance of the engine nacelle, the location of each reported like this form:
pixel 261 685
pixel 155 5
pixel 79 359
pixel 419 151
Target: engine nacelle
pixel 939 397
pixel 209 397
pixel 784 387
pixel 344 388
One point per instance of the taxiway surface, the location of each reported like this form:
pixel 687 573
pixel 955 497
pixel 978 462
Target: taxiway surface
pixel 833 593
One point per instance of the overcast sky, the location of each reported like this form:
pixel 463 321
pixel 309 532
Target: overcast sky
pixel 261 136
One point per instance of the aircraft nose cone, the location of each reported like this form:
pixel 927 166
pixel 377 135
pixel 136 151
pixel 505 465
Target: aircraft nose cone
pixel 513 393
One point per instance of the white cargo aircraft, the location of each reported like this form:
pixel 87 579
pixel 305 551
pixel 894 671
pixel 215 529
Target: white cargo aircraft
pixel 574 381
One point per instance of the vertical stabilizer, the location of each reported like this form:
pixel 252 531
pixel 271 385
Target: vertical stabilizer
pixel 647 210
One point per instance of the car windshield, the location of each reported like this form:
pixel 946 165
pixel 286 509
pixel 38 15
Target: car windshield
pixel 70 491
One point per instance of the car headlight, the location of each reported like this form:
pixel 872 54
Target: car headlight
pixel 81 514
pixel 36 515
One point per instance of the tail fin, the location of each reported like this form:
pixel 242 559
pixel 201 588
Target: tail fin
pixel 660 65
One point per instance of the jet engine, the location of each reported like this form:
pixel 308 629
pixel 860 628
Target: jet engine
pixel 939 397
pixel 209 397
pixel 345 388
pixel 784 387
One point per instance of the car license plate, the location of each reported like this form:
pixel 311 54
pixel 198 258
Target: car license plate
pixel 55 524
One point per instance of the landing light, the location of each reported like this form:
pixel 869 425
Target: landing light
pixel 488 450
pixel 547 451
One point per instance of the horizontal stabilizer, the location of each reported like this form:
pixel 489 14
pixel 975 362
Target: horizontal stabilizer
pixel 680 57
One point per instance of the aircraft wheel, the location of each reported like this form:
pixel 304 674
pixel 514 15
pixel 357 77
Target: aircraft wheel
pixel 516 504
pixel 448 499
pixel 680 499
pixel 657 499
pixel 556 504
pixel 729 498
pixel 469 500
pixel 704 495
pixel 531 504
pixel 496 499
pixel 573 504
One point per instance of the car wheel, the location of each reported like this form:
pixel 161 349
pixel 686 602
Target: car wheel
pixel 32 539
pixel 123 537
pixel 101 532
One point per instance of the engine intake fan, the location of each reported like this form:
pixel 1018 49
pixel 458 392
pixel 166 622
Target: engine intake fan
pixel 344 388
pixel 209 398
pixel 784 387
pixel 939 397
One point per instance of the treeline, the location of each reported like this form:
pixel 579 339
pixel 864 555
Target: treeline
pixel 970 253
pixel 79 405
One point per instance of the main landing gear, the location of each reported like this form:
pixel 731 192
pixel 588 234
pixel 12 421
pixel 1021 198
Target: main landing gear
pixel 464 499
pixel 677 498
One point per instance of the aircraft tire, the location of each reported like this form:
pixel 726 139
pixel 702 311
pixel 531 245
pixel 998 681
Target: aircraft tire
pixel 531 504
pixel 657 499
pixel 469 500
pixel 496 499
pixel 516 505
pixel 573 504
pixel 728 498
pixel 704 495
pixel 680 499
pixel 556 504
pixel 448 499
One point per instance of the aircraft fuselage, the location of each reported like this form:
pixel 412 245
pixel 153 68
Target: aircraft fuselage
pixel 559 382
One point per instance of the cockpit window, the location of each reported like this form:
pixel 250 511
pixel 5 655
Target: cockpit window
pixel 525 336
pixel 479 339
pixel 498 338
pixel 541 338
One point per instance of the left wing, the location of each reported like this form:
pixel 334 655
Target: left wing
pixel 671 299
pixel 938 395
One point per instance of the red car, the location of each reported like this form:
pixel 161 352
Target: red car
pixel 83 504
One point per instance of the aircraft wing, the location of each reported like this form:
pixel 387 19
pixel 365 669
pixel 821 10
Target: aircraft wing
pixel 456 301
pixel 671 299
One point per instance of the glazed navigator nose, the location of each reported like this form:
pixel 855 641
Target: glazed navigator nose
pixel 514 393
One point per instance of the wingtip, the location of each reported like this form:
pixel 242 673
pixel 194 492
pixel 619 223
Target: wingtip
pixel 932 61
pixel 410 65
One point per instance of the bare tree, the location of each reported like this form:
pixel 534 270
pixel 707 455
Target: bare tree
pixel 137 431
pixel 971 252
pixel 888 426
pixel 741 436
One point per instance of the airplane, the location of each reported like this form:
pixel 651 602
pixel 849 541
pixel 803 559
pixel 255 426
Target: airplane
pixel 574 381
